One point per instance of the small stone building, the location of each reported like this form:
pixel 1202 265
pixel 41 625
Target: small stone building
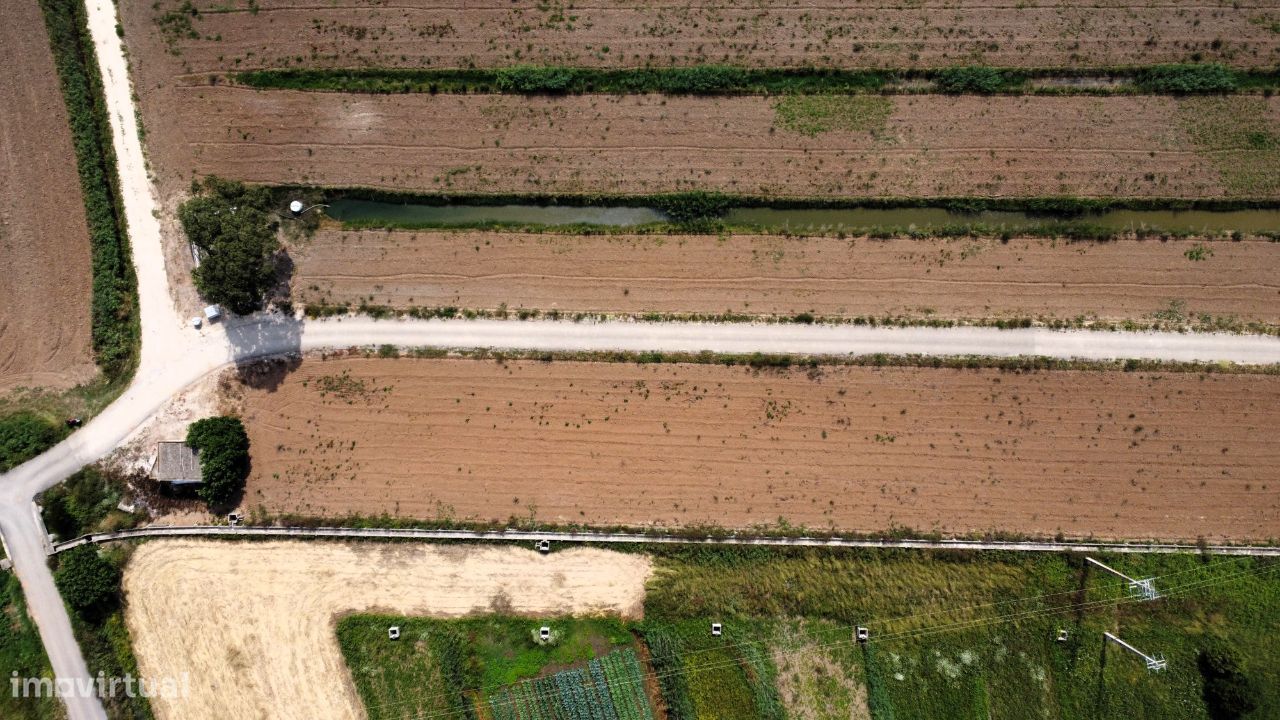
pixel 176 463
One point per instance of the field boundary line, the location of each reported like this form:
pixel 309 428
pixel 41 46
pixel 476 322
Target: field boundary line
pixel 583 537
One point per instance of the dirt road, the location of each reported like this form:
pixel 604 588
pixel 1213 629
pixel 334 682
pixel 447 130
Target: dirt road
pixel 1169 456
pixel 259 616
pixel 964 278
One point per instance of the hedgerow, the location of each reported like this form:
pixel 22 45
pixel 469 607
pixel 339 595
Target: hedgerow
pixel 114 310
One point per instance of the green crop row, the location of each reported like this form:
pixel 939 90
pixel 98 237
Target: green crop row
pixel 114 310
pixel 1196 78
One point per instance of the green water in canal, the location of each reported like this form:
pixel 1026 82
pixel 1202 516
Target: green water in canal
pixel 801 220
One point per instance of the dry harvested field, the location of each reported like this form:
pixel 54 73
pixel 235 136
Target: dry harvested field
pixel 44 241
pixel 769 275
pixel 925 146
pixel 254 623
pixel 354 33
pixel 1166 455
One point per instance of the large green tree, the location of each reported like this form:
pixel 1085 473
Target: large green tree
pixel 224 458
pixel 88 582
pixel 234 227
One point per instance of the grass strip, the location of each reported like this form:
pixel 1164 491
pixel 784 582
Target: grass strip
pixel 22 654
pixel 1176 79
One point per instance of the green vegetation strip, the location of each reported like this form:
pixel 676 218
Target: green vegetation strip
pixel 1199 78
pixel 22 654
pixel 953 635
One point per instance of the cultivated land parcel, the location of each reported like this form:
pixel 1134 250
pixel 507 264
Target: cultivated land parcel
pixel 916 278
pixel 1107 454
pixel 44 241
pixel 235 35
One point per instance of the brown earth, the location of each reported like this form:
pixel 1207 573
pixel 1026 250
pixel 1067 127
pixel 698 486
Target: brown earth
pixel 769 275
pixel 929 145
pixel 1111 454
pixel 45 273
pixel 798 33
pixel 260 617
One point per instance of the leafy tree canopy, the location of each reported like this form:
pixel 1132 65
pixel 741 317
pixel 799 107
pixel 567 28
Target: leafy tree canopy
pixel 224 458
pixel 235 228
pixel 88 582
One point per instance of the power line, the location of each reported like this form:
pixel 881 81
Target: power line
pixel 960 625
pixel 964 625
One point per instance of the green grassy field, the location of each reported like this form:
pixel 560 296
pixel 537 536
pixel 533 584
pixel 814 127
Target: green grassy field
pixel 21 653
pixel 496 663
pixel 953 635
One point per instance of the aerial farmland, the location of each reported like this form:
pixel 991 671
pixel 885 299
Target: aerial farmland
pixel 648 361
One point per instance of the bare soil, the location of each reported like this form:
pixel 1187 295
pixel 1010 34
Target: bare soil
pixel 929 146
pixel 1109 454
pixel 769 275
pixel 252 625
pixel 804 33
pixel 45 272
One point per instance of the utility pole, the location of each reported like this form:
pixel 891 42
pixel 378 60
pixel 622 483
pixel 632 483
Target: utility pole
pixel 1154 664
pixel 1146 588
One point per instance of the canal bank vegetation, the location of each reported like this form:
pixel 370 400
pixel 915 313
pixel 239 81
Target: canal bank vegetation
pixel 1172 79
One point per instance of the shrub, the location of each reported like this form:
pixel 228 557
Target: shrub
pixel 224 458
pixel 88 582
pixel 533 79
pixel 1188 79
pixel 24 435
pixel 232 224
pixel 976 79
pixel 692 207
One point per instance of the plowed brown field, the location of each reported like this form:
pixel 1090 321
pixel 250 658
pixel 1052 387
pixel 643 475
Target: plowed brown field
pixel 929 145
pixel 455 33
pixel 44 240
pixel 1166 455
pixel 769 275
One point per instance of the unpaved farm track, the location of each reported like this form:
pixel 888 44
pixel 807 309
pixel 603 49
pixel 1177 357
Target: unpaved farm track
pixel 930 146
pixel 253 623
pixel 770 275
pixel 456 33
pixel 45 274
pixel 1168 456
